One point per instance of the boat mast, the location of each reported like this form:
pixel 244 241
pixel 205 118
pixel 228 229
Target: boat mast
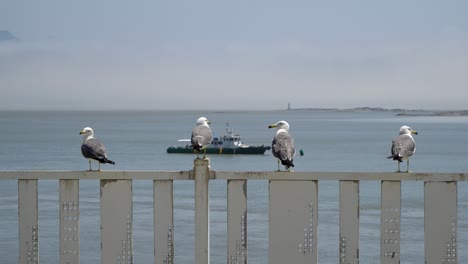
pixel 228 129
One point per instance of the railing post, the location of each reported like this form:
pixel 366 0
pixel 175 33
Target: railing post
pixel 293 219
pixel 116 221
pixel 202 211
pixel 349 222
pixel 440 222
pixel 27 217
pixel 236 221
pixel 390 215
pixel 69 221
pixel 163 211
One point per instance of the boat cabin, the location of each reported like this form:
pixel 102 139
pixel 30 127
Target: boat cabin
pixel 226 141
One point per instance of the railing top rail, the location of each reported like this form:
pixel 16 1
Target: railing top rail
pixel 232 175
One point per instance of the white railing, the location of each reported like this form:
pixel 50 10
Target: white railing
pixel 293 214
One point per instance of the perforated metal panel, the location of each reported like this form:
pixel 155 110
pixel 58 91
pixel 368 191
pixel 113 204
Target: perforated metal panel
pixel 440 222
pixel 349 222
pixel 163 222
pixel 390 216
pixel 237 221
pixel 116 222
pixel 28 228
pixel 69 207
pixel 293 216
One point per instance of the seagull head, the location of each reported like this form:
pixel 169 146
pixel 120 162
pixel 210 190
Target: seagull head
pixel 280 125
pixel 87 131
pixel 406 130
pixel 203 121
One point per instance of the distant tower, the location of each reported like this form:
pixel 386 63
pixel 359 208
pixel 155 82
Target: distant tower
pixel 289 106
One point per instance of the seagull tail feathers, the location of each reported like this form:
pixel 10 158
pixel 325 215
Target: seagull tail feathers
pixel 196 147
pixel 287 163
pixel 105 160
pixel 395 157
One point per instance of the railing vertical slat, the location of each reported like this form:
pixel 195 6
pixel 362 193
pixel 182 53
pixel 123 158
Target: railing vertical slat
pixel 349 222
pixel 293 217
pixel 236 221
pixel 390 222
pixel 116 221
pixel 27 216
pixel 163 221
pixel 69 221
pixel 202 211
pixel 440 222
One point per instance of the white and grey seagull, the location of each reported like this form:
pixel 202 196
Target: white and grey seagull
pixel 93 149
pixel 201 135
pixel 403 146
pixel 282 146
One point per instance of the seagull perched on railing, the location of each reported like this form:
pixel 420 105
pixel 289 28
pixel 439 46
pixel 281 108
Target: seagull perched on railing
pixel 93 149
pixel 201 135
pixel 282 146
pixel 403 146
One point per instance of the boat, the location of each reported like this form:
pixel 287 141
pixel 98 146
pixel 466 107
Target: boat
pixel 229 143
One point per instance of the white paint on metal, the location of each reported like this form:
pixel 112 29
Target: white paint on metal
pixel 202 211
pixel 69 208
pixel 349 222
pixel 293 220
pixel 390 219
pixel 27 217
pixel 340 176
pixel 116 221
pixel 237 221
pixel 233 175
pixel 440 222
pixel 116 211
pixel 163 222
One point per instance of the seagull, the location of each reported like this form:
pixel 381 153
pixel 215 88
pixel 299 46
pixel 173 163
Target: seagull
pixel 93 149
pixel 201 135
pixel 282 146
pixel 403 146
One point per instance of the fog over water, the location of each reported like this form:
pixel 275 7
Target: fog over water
pixel 233 55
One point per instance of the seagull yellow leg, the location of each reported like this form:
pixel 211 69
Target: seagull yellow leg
pixel 99 166
pixel 398 166
pixel 204 153
pixel 278 165
pixel 89 165
pixel 407 165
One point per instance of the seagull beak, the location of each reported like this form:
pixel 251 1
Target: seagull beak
pixel 82 132
pixel 414 132
pixel 272 126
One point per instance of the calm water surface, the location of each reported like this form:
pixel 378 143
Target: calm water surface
pixel 348 142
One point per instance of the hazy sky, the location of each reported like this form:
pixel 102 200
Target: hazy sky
pixel 243 54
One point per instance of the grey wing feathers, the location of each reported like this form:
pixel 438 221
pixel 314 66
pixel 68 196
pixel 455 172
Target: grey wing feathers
pixel 93 149
pixel 283 147
pixel 403 146
pixel 201 136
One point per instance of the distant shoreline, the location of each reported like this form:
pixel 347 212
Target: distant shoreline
pixel 397 111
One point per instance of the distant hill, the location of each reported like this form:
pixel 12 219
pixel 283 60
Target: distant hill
pixel 436 113
pixel 5 35
pixel 358 109
pixel 398 111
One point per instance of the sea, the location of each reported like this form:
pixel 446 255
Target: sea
pixel 332 141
